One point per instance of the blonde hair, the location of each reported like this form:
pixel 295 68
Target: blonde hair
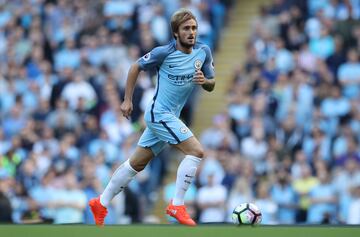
pixel 180 16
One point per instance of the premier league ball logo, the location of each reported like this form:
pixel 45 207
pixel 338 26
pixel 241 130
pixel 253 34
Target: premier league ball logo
pixel 146 57
pixel 184 130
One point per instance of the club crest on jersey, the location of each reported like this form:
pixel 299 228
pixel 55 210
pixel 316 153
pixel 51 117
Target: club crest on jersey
pixel 147 56
pixel 197 64
pixel 184 130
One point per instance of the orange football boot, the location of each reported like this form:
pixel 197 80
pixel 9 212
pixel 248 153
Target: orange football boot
pixel 99 211
pixel 180 214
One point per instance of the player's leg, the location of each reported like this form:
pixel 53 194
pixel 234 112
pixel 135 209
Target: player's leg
pixel 186 172
pixel 125 173
pixel 175 132
pixel 184 177
pixel 119 180
pixel 149 146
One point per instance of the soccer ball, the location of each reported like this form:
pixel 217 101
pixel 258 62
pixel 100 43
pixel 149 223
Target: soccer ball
pixel 246 214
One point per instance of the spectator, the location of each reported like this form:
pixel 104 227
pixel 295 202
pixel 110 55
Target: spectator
pixel 240 193
pixel 43 193
pixel 290 135
pixel 78 89
pixel 335 101
pixel 13 123
pixel 302 187
pixel 254 147
pixel 69 56
pixel 119 129
pixel 211 201
pixel 5 205
pixel 69 202
pixel 214 137
pixel 348 74
pixel 6 210
pixel 323 46
pixel 62 119
pixel 284 196
pixel 317 145
pixel 105 146
pixel 338 57
pixel 346 178
pixel 352 152
pixel 267 206
pixel 283 58
pixel 159 27
pixel 4 143
pixel 322 200
pixel 354 207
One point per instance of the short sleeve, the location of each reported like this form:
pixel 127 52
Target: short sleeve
pixel 154 58
pixel 208 66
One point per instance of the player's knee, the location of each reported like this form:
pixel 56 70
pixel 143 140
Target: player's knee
pixel 139 168
pixel 198 152
pixel 140 158
pixel 137 165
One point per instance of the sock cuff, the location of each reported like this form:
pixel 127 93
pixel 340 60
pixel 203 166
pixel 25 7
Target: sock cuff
pixel 128 166
pixel 193 158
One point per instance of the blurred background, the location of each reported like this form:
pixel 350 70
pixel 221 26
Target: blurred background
pixel 281 129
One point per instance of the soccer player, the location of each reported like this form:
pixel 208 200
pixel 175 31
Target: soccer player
pixel 181 65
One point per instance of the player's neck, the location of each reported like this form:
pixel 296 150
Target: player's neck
pixel 183 48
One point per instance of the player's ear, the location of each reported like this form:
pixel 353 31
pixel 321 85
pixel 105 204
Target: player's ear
pixel 176 34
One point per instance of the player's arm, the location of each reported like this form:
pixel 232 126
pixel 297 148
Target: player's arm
pixel 206 76
pixel 127 106
pixel 149 61
pixel 200 79
pixel 209 84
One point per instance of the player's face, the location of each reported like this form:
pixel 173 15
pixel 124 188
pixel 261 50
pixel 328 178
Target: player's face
pixel 186 34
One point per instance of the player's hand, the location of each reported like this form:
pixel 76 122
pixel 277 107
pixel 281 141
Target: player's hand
pixel 199 78
pixel 126 108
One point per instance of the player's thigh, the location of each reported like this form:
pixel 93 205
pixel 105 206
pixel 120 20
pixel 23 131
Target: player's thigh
pixel 191 146
pixel 176 133
pixel 150 141
pixel 170 129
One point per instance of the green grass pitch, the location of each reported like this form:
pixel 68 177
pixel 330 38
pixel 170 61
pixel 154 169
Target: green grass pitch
pixel 176 230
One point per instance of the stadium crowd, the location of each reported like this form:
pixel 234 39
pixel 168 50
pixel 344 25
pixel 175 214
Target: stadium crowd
pixel 289 141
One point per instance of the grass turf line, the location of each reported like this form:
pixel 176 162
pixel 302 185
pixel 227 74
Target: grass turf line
pixel 176 231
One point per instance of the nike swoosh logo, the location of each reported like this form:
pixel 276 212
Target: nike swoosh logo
pixel 172 66
pixel 188 176
pixel 120 189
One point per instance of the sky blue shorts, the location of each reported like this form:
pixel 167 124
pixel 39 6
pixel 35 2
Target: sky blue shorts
pixel 170 130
